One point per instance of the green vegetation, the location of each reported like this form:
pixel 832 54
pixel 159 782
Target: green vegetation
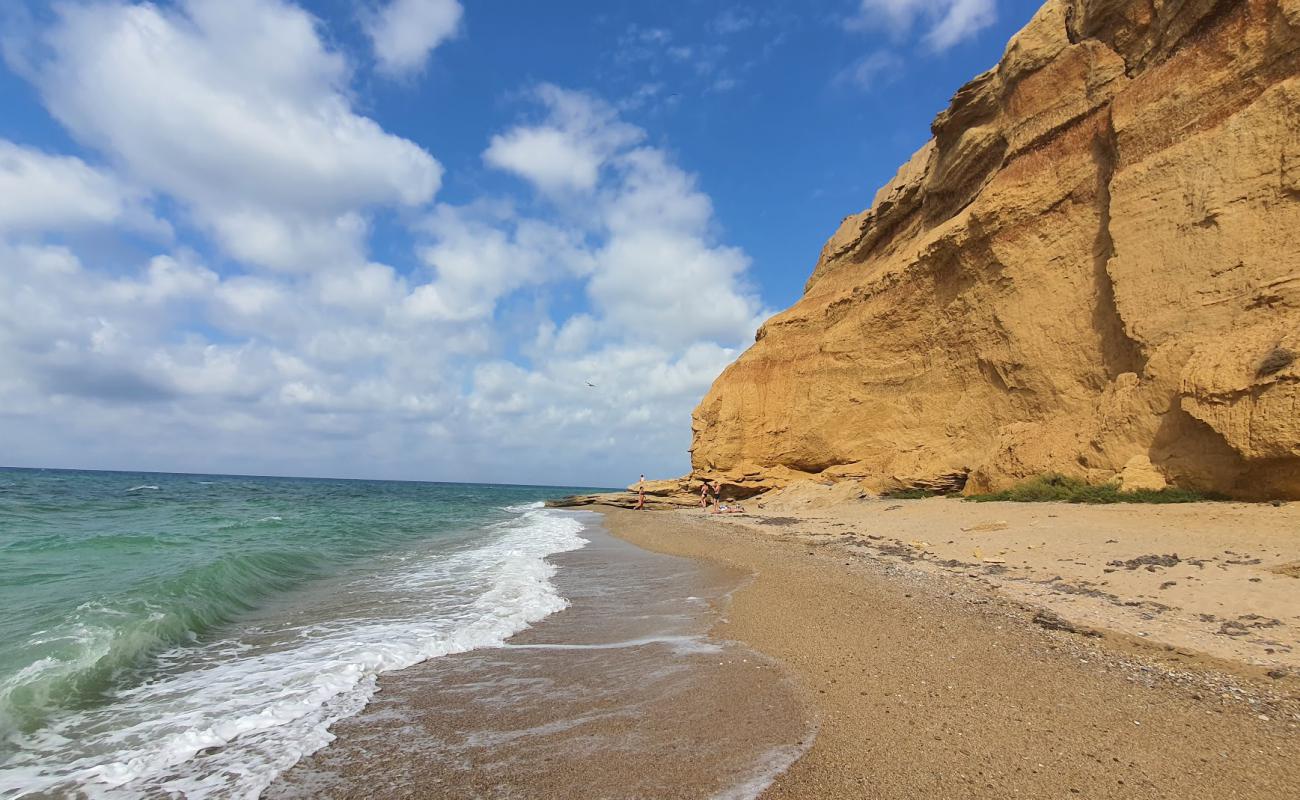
pixel 911 494
pixel 1060 489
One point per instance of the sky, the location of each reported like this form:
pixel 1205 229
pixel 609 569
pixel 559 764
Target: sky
pixel 454 240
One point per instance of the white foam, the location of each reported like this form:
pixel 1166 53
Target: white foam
pixel 143 488
pixel 228 728
pixel 769 766
pixel 679 644
pixel 524 507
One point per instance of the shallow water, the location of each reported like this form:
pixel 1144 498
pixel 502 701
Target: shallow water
pixel 189 634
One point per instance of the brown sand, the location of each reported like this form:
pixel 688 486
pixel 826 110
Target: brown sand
pixel 932 684
pixel 1217 579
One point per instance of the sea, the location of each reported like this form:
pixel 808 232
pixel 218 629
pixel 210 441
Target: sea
pixel 212 636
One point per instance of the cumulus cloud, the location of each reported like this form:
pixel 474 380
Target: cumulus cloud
pixel 667 308
pixel 644 240
pixel 660 274
pixel 54 193
pixel 567 151
pixel 550 158
pixel 238 109
pixel 947 22
pixel 404 32
pixel 244 373
pixel 294 349
pixel 72 331
pixel 480 254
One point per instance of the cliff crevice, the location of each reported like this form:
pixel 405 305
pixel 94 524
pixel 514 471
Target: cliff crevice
pixel 1120 352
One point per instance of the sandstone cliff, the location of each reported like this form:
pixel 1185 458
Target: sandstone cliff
pixel 1094 262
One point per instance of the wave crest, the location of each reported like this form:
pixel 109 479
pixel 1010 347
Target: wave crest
pixel 251 712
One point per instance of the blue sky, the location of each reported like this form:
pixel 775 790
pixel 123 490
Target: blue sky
pixel 398 239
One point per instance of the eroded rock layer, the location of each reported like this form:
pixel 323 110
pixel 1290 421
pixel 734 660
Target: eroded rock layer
pixel 1096 259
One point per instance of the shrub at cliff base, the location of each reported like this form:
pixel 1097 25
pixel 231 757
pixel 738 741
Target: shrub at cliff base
pixel 1060 489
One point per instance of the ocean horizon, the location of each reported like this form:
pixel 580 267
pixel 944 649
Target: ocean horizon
pixel 562 487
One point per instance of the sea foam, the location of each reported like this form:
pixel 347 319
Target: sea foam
pixel 228 724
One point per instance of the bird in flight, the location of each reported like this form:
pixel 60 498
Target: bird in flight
pixel 591 385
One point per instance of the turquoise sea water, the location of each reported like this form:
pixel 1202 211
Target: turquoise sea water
pixel 170 633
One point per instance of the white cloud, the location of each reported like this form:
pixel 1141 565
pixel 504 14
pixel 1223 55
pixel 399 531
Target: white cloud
pixel 480 254
pixel 165 279
pixel 304 354
pixel 238 109
pixel 367 288
pixel 631 421
pixel 44 192
pixel 654 272
pixel 660 275
pixel 963 19
pixel 667 308
pixel 947 22
pixel 569 149
pixel 250 297
pixel 75 332
pixel 871 70
pixel 173 366
pixel 575 336
pixel 290 241
pixel 405 32
pixel 673 290
pixel 550 158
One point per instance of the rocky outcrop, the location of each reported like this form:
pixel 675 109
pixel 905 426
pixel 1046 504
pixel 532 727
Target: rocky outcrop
pixel 659 495
pixel 1095 259
pixel 623 500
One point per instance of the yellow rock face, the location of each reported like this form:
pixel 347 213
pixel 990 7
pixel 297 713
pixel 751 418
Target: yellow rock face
pixel 1096 258
pixel 1139 474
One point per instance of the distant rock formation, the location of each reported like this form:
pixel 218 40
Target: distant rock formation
pixel 1095 263
pixel 659 496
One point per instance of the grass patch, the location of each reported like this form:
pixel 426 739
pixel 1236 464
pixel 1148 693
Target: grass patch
pixel 1060 489
pixel 911 494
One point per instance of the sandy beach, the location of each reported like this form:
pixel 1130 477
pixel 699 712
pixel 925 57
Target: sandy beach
pixel 960 650
pixel 1215 579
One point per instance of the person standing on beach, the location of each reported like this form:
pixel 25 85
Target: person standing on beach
pixel 704 494
pixel 640 494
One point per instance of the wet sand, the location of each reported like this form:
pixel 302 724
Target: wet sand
pixel 622 695
pixel 934 685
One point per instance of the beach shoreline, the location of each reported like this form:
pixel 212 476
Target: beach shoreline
pixel 935 681
pixel 622 694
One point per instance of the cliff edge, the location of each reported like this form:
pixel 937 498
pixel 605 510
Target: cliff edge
pixel 1094 264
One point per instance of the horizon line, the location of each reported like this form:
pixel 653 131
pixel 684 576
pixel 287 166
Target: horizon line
pixel 299 477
